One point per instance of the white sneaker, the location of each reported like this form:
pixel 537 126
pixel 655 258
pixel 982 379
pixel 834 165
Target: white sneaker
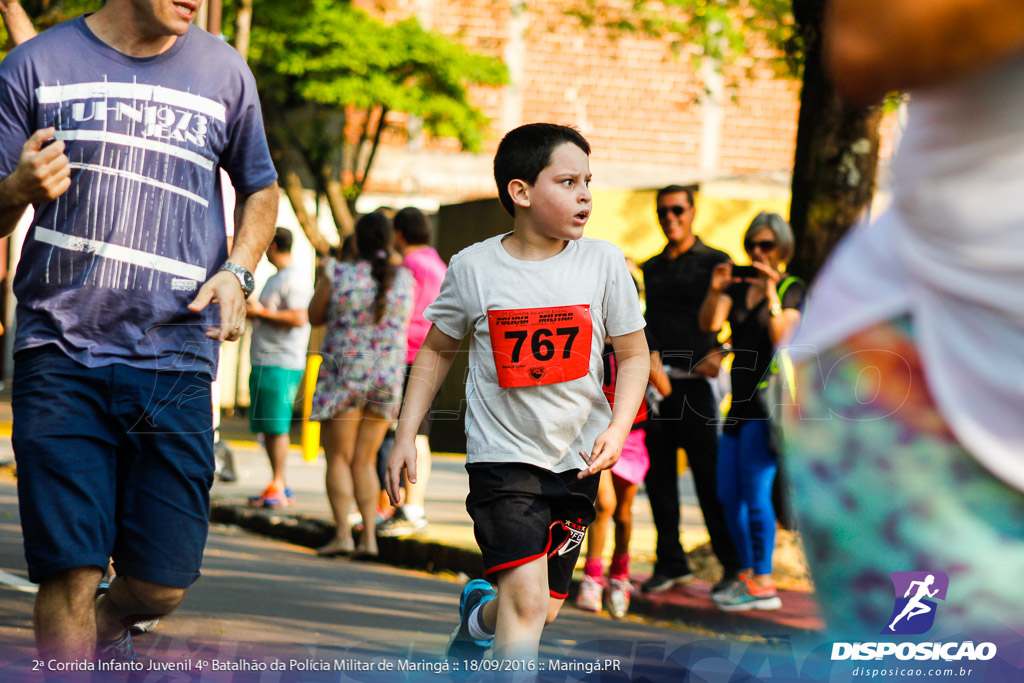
pixel 144 626
pixel 618 597
pixel 589 597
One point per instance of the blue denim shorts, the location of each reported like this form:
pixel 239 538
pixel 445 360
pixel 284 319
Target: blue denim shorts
pixel 114 462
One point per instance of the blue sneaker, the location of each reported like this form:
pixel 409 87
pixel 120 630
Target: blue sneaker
pixel 118 650
pixel 462 645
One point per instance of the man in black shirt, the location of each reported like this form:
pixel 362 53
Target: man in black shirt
pixel 676 281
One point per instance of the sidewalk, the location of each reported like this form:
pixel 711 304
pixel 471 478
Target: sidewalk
pixel 447 545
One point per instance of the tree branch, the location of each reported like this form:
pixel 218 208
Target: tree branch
pixel 243 25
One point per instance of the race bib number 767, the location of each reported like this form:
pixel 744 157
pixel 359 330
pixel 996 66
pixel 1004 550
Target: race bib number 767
pixel 535 346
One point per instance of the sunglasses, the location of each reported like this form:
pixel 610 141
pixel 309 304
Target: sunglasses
pixel 764 245
pixel 677 211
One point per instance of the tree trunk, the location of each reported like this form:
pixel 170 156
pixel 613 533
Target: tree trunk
pixel 291 169
pixel 243 25
pixel 836 155
pixel 340 210
pixel 291 182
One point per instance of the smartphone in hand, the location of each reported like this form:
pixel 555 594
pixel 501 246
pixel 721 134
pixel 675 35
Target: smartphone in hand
pixel 744 272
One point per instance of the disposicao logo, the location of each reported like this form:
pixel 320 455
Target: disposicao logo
pixel 913 613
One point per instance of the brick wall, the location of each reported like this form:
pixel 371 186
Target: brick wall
pixel 637 102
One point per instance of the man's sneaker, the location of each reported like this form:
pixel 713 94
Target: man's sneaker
pixel 400 524
pixel 462 645
pixel 662 582
pixel 589 597
pixel 273 497
pixel 618 597
pixel 746 595
pixel 118 650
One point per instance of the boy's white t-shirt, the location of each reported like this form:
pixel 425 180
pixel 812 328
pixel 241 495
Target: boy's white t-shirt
pixel 548 424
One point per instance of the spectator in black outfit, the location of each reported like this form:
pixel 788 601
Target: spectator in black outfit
pixel 676 281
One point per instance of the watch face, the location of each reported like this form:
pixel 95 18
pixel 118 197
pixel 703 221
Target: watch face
pixel 245 278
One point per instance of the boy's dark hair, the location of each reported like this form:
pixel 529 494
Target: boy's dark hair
pixel 412 225
pixel 676 189
pixel 283 240
pixel 374 237
pixel 526 151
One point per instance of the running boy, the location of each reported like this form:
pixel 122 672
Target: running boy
pixel 538 303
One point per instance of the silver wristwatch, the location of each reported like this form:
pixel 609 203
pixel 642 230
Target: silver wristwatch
pixel 245 278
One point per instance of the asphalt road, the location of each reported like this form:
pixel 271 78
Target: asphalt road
pixel 269 611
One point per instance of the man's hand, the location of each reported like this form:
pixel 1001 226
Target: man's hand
pixel 254 309
pixel 607 449
pixel 43 174
pixel 721 277
pixel 402 456
pixel 223 289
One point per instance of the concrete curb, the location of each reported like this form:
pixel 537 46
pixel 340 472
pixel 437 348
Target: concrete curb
pixel 312 532
pixel 691 608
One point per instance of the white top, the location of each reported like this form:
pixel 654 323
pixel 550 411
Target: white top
pixel 950 252
pixel 289 289
pixel 548 424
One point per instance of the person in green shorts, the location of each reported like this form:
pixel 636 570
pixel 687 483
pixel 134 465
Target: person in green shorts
pixel 280 337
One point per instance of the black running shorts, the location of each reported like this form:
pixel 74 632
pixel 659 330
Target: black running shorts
pixel 521 512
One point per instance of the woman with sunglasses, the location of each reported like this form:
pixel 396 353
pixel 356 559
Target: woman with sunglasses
pixel 762 310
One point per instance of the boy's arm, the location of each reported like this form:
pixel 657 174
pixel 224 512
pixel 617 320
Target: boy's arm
pixel 634 362
pixel 433 361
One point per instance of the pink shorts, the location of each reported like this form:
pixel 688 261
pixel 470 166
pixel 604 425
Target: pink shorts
pixel 634 461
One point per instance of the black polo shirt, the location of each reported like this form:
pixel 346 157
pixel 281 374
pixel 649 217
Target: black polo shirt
pixel 675 291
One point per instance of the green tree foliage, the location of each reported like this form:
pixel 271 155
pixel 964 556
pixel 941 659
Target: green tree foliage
pixel 329 76
pixel 720 30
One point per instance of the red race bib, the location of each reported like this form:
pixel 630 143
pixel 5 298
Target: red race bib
pixel 535 346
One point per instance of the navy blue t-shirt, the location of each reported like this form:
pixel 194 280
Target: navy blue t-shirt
pixel 108 268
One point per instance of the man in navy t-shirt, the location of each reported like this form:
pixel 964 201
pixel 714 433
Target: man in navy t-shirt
pixel 115 127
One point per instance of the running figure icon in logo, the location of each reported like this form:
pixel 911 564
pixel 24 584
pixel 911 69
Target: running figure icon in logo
pixel 923 585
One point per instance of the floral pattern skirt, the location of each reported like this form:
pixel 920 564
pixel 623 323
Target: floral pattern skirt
pixel 348 381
